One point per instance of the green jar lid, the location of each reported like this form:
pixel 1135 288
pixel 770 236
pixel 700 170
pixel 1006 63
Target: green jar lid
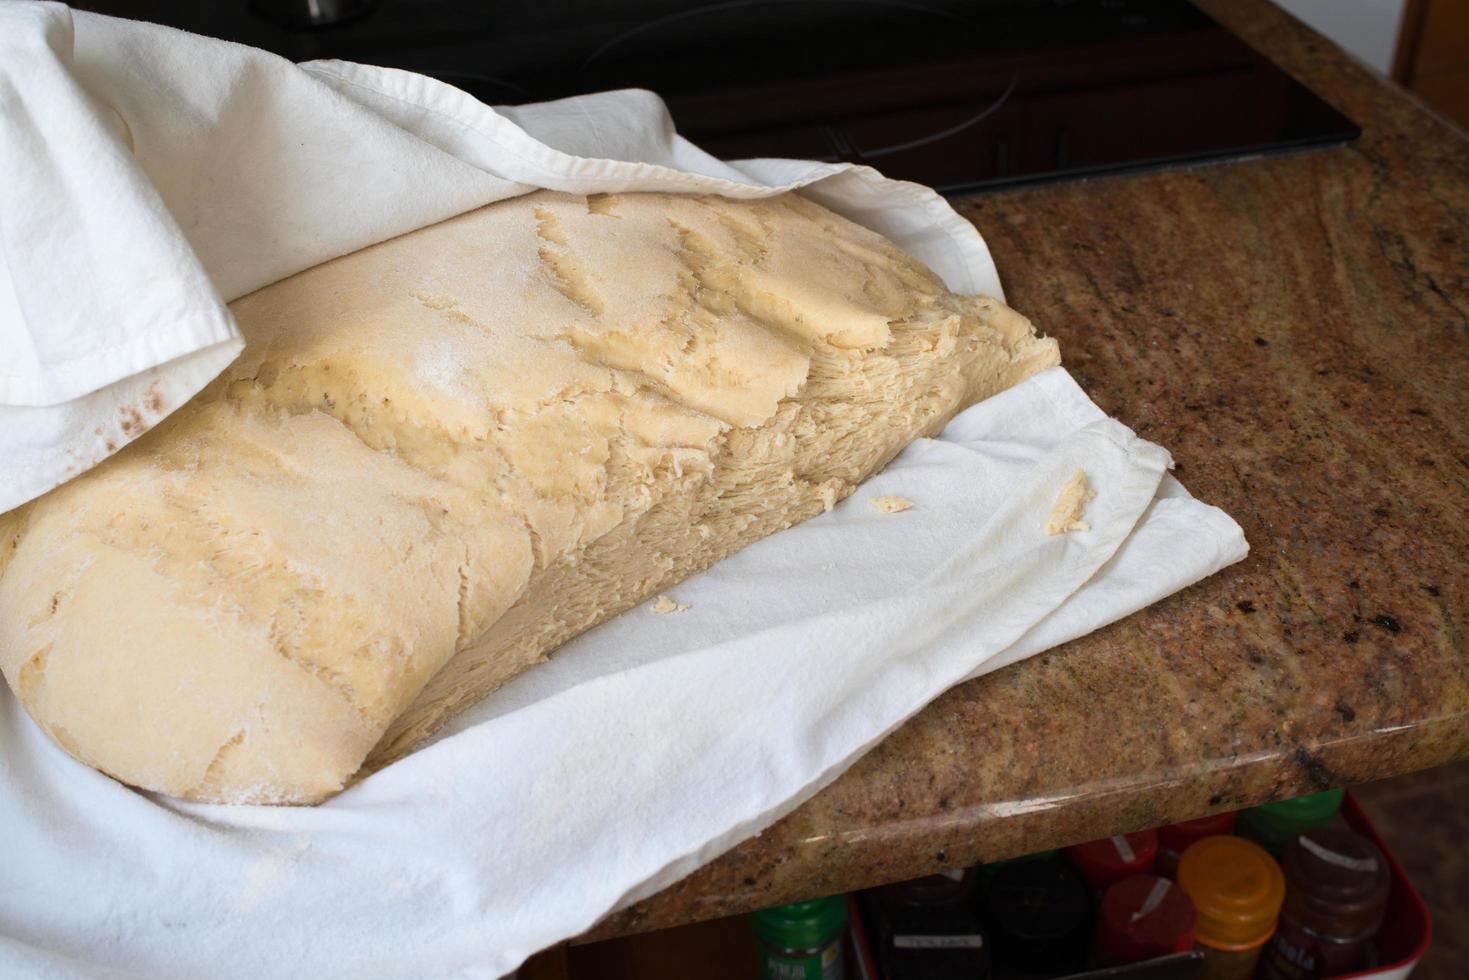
pixel 1300 814
pixel 802 925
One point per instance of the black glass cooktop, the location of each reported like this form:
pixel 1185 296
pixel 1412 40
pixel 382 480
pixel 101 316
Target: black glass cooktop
pixel 958 94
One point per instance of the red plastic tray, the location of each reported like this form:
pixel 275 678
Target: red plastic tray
pixel 1406 929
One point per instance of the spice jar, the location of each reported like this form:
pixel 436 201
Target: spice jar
pixel 1237 889
pixel 803 940
pixel 1336 887
pixel 929 928
pixel 1143 917
pixel 943 890
pixel 1039 916
pixel 1102 862
pixel 987 870
pixel 1175 838
pixel 1275 826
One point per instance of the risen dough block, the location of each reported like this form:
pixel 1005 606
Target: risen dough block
pixel 443 456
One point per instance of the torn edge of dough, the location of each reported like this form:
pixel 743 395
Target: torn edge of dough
pixel 1070 504
pixel 891 503
pixel 663 605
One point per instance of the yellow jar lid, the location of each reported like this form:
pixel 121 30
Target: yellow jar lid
pixel 1237 888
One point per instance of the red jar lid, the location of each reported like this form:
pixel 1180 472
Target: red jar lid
pixel 1110 859
pixel 1142 917
pixel 1178 836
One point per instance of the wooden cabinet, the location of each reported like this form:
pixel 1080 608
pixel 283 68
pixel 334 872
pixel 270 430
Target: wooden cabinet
pixel 722 949
pixel 1433 55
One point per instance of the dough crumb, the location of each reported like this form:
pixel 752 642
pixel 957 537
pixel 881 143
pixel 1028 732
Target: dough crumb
pixel 663 605
pixel 1070 504
pixel 829 494
pixel 891 504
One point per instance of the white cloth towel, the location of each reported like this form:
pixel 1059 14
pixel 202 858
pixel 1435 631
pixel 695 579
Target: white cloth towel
pixel 151 175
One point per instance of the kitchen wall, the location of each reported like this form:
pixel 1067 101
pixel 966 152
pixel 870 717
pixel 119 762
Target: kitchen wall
pixel 1366 28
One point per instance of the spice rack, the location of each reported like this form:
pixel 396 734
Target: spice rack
pixel 725 949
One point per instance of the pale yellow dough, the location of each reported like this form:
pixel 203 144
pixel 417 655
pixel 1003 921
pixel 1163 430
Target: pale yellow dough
pixel 663 605
pixel 443 456
pixel 1066 513
pixel 892 503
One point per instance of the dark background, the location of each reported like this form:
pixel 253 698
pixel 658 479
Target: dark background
pixel 957 94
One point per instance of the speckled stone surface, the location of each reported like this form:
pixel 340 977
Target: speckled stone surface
pixel 1296 330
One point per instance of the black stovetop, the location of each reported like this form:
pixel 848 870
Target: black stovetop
pixel 957 94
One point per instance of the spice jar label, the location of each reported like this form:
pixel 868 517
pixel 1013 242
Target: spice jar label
pixel 939 942
pixel 1154 899
pixel 1366 865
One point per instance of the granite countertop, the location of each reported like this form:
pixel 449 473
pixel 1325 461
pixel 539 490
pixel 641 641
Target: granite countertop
pixel 1296 330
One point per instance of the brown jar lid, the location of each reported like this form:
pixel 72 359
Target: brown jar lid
pixel 1337 882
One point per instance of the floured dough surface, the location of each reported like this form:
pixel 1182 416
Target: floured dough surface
pixel 443 456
